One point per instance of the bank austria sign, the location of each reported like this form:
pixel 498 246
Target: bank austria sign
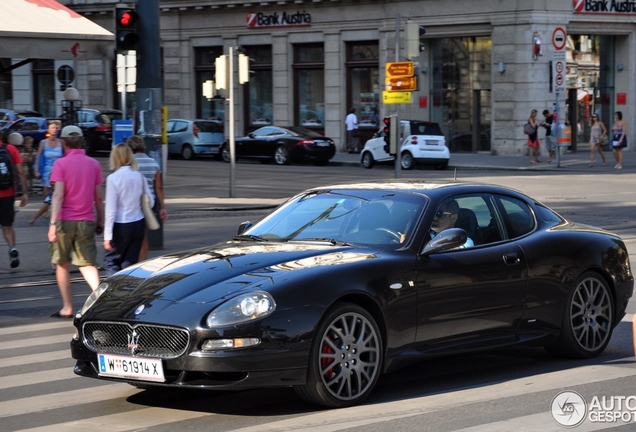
pixel 261 20
pixel 627 7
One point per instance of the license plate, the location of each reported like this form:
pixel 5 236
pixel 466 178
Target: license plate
pixel 146 369
pixel 322 143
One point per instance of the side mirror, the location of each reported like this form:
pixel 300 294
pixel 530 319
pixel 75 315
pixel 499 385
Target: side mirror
pixel 244 226
pixel 251 135
pixel 451 238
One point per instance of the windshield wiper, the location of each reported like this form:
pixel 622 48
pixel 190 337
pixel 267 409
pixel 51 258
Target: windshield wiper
pixel 249 237
pixel 333 242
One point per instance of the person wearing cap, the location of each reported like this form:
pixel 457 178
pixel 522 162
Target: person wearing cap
pixel 77 214
pixel 7 198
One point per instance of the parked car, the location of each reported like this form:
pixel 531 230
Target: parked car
pixel 421 142
pixel 341 284
pixel 189 138
pixel 97 128
pixel 36 127
pixel 8 116
pixel 283 145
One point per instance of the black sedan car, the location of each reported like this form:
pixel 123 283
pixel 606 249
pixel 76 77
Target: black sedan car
pixel 283 145
pixel 342 284
pixel 97 126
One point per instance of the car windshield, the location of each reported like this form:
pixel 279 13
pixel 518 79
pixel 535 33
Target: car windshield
pixel 356 217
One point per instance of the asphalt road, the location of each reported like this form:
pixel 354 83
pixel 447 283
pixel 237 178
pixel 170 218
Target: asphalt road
pixel 507 389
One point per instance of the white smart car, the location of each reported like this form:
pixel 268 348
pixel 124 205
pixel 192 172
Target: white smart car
pixel 422 142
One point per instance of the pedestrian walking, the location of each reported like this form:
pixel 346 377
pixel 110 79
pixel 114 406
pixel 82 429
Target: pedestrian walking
pixel 533 138
pixel 49 150
pixel 10 168
pixel 151 170
pixel 550 143
pixel 597 132
pixel 619 140
pixel 125 225
pixel 77 214
pixel 28 154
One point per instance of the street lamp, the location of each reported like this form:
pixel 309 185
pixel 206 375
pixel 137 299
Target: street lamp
pixel 70 105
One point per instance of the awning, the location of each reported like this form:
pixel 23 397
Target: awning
pixel 47 29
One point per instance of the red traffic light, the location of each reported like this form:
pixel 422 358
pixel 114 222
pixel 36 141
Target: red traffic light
pixel 126 18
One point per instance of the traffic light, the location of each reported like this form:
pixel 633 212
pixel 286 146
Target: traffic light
pixel 126 36
pixel 414 32
pixel 390 134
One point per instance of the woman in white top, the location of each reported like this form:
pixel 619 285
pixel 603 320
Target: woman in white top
pixel 124 224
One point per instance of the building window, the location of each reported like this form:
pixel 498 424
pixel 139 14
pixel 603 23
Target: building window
pixel 363 87
pixel 258 91
pixel 6 88
pixel 309 85
pixel 209 106
pixel 44 87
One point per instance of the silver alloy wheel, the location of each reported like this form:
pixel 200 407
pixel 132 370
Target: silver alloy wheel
pixel 407 160
pixel 349 356
pixel 225 153
pixel 591 314
pixel 186 152
pixel 367 160
pixel 281 156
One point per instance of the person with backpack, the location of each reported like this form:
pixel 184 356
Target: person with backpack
pixel 10 165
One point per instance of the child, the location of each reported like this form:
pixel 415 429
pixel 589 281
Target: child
pixel 28 157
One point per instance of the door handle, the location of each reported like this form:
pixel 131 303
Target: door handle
pixel 511 259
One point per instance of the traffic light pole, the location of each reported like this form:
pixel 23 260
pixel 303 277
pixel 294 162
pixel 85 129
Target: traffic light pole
pixel 398 152
pixel 149 92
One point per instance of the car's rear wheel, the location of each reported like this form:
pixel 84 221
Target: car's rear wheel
pixel 407 161
pixel 588 321
pixel 345 359
pixel 281 155
pixel 225 153
pixel 186 152
pixel 441 166
pixel 367 160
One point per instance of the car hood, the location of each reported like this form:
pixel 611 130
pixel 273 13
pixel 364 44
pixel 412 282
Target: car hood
pixel 211 274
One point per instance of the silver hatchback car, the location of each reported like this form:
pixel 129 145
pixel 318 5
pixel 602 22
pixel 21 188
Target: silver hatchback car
pixel 190 138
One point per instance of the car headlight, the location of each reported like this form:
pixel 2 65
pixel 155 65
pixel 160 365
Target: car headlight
pixel 97 293
pixel 245 307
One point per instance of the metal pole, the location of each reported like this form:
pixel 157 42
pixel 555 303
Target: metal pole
pixel 230 60
pixel 398 151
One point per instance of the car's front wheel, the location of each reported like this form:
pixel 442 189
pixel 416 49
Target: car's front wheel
pixel 186 152
pixel 281 155
pixel 408 162
pixel 367 160
pixel 345 359
pixel 225 153
pixel 588 321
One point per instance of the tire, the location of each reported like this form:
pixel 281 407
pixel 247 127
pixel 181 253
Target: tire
pixel 441 166
pixel 588 320
pixel 367 160
pixel 407 161
pixel 345 361
pixel 281 156
pixel 186 152
pixel 225 153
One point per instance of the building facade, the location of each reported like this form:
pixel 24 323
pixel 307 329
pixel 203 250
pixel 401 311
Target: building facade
pixel 486 65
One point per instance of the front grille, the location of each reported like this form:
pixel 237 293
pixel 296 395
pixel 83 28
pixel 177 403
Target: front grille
pixel 140 340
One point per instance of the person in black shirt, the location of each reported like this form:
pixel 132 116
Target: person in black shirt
pixel 550 144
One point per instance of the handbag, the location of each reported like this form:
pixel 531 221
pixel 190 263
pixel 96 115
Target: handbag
pixel 528 129
pixel 151 220
pixel 604 140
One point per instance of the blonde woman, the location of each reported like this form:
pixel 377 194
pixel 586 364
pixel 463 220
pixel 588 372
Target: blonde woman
pixel 124 224
pixel 598 131
pixel 533 139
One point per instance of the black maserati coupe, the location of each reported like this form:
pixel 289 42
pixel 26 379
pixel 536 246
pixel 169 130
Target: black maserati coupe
pixel 341 284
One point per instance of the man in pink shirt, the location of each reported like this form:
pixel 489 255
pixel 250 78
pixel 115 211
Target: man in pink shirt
pixel 77 197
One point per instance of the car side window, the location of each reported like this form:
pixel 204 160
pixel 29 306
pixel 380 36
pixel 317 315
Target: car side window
pixel 170 126
pixel 30 126
pixel 517 216
pixel 180 127
pixel 476 216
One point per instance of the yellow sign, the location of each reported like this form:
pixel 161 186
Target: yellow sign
pixel 400 69
pixel 401 84
pixel 401 97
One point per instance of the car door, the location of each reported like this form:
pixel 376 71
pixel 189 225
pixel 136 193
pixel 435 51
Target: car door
pixel 472 296
pixel 172 127
pixel 259 142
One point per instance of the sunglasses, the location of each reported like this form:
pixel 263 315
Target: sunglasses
pixel 440 214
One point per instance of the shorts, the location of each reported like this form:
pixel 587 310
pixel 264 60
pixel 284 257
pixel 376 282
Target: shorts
pixel 7 211
pixel 76 238
pixel 550 144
